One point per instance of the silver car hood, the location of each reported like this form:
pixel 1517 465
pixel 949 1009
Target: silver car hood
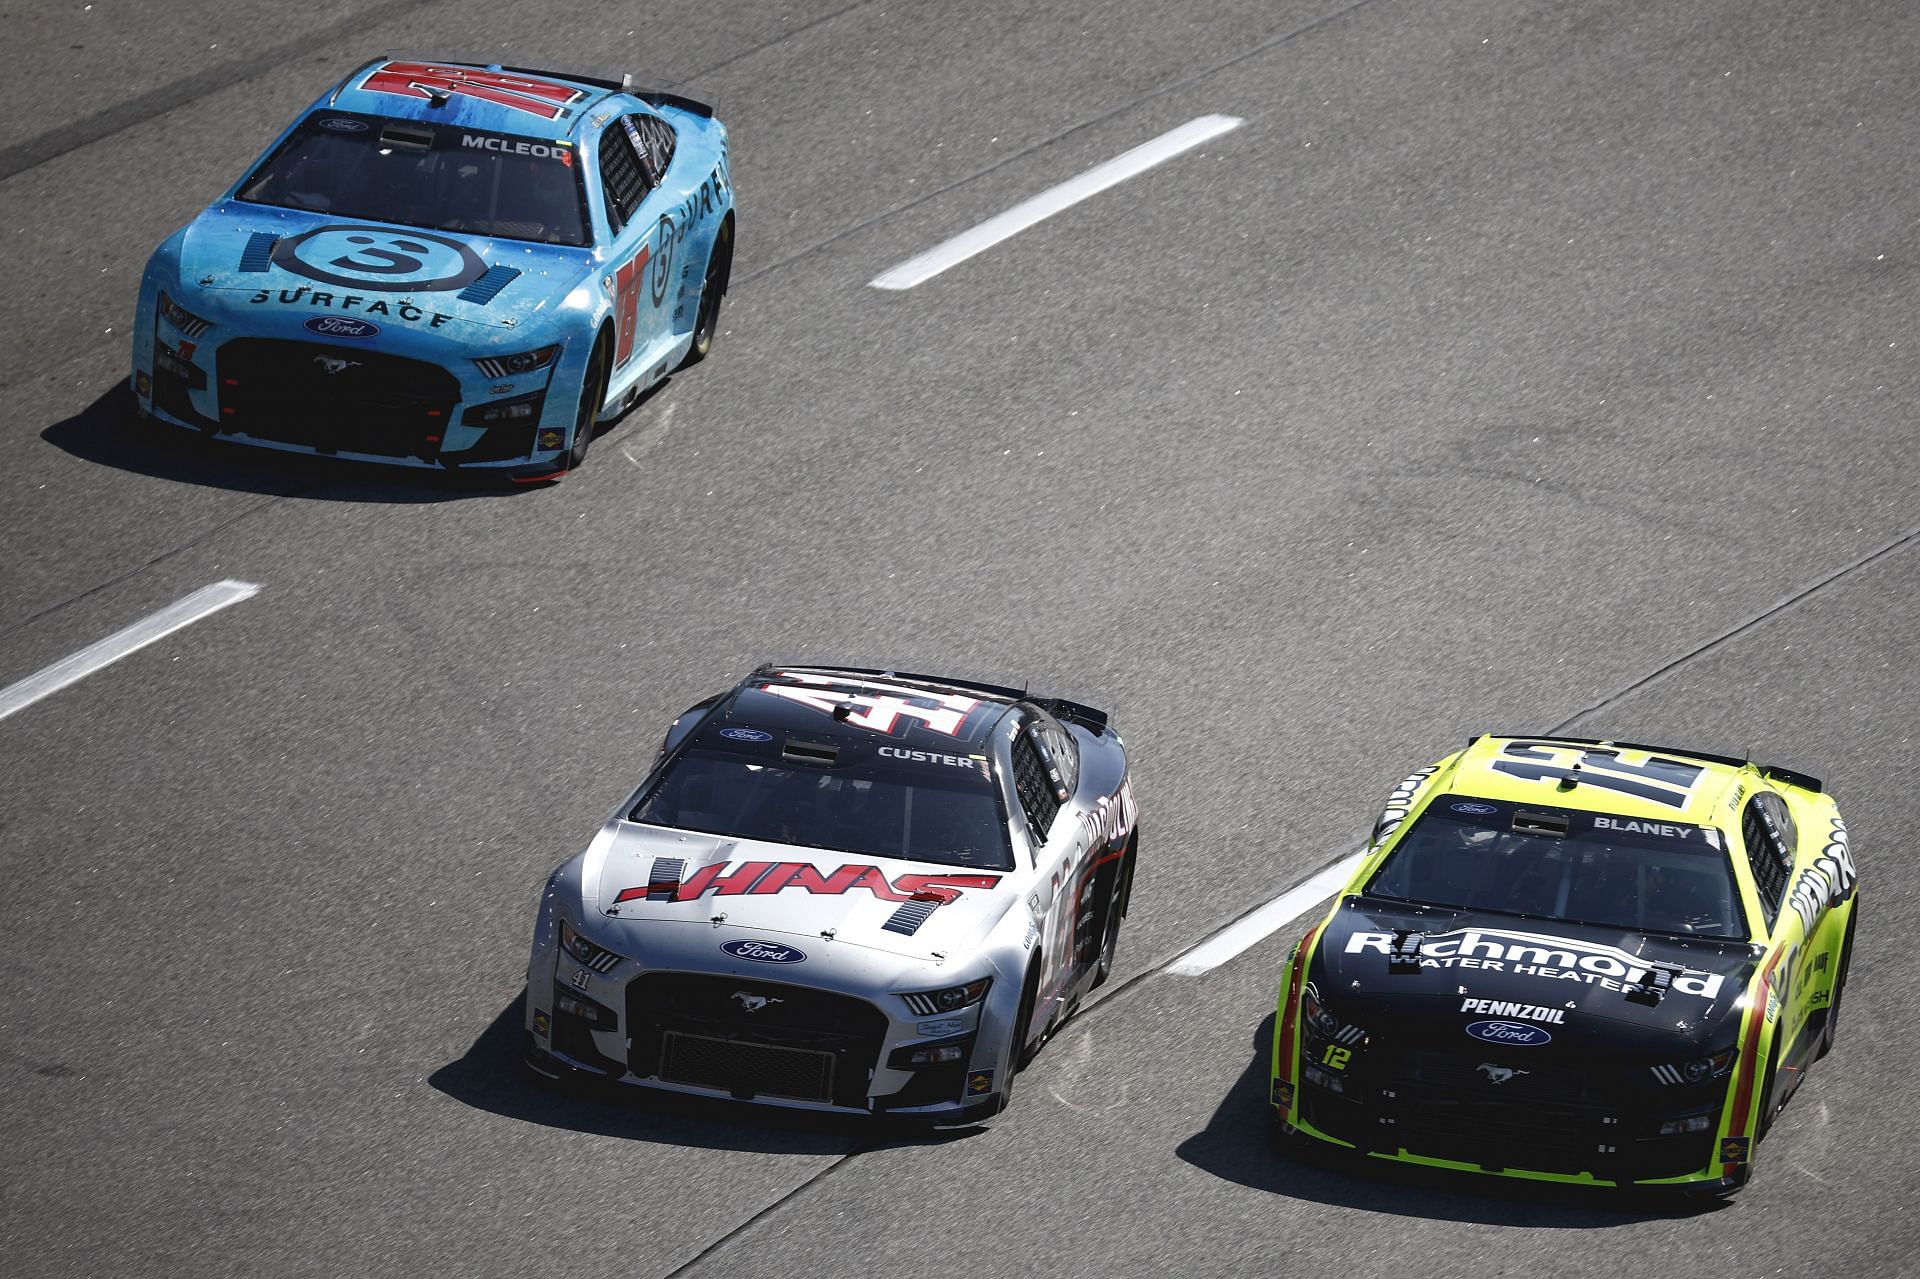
pixel 630 876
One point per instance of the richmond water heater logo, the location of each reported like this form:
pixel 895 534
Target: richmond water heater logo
pixel 1531 955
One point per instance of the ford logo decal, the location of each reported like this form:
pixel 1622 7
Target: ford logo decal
pixel 745 735
pixel 764 952
pixel 1475 808
pixel 344 124
pixel 341 326
pixel 1509 1034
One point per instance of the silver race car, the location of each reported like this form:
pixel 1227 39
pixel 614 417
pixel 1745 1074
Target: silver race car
pixel 841 890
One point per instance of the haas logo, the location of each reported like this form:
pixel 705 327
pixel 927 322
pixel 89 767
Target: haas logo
pixel 1499 1074
pixel 754 1003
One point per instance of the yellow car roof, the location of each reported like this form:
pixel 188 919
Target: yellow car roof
pixel 1649 783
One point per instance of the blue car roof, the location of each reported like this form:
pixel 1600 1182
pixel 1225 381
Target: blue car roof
pixel 539 104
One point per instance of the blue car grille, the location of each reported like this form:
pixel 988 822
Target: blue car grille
pixel 334 398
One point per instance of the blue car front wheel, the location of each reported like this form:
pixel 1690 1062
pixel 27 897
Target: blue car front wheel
pixel 712 292
pixel 593 389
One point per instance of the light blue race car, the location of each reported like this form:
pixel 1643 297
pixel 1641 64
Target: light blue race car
pixel 445 265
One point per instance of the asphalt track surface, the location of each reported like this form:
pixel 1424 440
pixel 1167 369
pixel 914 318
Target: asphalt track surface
pixel 1516 365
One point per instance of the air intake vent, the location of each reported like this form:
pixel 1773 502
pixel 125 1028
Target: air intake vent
pixel 412 137
pixel 1652 988
pixel 1552 825
pixel 487 287
pixel 663 881
pixel 810 752
pixel 1405 955
pixel 258 255
pixel 910 916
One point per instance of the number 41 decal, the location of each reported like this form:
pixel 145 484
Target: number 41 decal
pixel 1664 781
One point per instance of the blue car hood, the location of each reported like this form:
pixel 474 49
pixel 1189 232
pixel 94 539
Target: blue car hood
pixel 260 268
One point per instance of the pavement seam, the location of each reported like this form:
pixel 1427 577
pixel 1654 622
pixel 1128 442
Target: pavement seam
pixel 161 558
pixel 1117 110
pixel 1878 553
pixel 1734 632
pixel 51 145
pixel 767 1211
pixel 23 157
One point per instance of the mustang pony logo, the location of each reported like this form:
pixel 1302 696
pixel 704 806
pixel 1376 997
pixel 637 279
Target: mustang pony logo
pixel 331 366
pixel 1499 1074
pixel 754 1003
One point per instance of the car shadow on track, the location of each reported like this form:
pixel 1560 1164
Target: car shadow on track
pixel 108 433
pixel 1235 1146
pixel 488 1077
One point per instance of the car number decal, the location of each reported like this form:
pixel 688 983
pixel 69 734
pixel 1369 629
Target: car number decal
pixel 425 80
pixel 1662 780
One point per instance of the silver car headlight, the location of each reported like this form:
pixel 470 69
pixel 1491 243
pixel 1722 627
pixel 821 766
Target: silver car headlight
pixel 929 1003
pixel 598 958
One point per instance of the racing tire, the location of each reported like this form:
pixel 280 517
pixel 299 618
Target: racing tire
pixel 1019 1052
pixel 1279 1140
pixel 712 293
pixel 1116 905
pixel 586 419
pixel 1831 1030
pixel 1768 1109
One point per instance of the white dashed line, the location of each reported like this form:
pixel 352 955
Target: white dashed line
pixel 918 270
pixel 1250 930
pixel 71 670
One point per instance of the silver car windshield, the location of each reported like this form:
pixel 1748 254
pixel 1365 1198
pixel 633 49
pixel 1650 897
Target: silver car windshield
pixel 947 816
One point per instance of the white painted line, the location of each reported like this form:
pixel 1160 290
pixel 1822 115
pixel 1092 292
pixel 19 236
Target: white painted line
pixel 918 270
pixel 156 626
pixel 1250 930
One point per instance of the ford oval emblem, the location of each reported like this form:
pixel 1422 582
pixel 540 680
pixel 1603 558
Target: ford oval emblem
pixel 1509 1034
pixel 341 326
pixel 344 124
pixel 1474 808
pixel 764 952
pixel 745 735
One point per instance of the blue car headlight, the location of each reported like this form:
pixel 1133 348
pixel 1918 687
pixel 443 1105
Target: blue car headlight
pixel 189 324
pixel 515 365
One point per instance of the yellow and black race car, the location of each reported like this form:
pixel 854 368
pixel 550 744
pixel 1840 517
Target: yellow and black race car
pixel 1570 960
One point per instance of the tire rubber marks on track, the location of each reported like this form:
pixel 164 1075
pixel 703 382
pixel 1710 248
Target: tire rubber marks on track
pixel 148 630
pixel 918 270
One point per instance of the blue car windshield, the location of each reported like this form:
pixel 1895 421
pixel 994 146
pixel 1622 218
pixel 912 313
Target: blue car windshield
pixel 1566 864
pixel 442 177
